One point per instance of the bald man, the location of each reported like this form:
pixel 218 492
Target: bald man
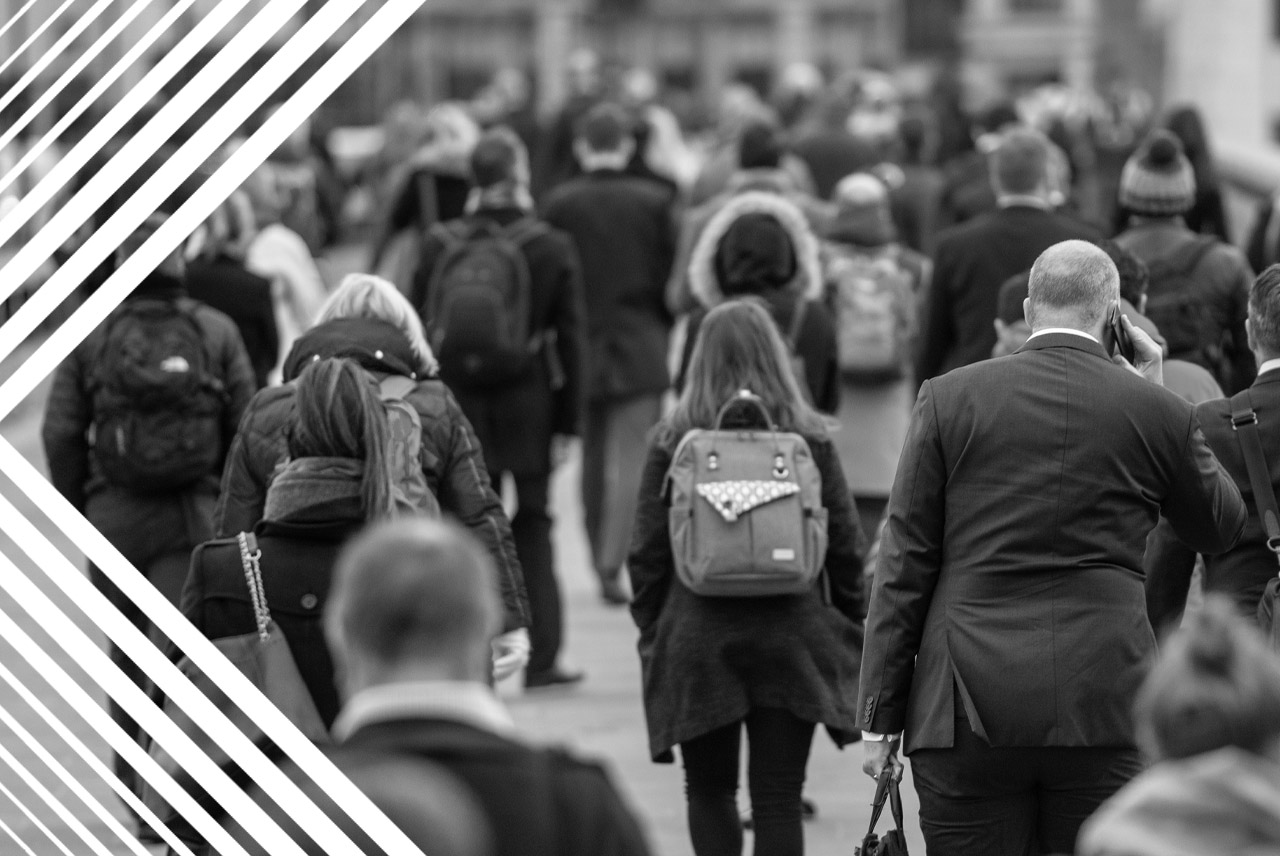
pixel 1007 632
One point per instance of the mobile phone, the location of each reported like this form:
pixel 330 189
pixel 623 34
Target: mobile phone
pixel 1122 344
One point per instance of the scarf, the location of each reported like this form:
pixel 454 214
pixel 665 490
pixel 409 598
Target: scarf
pixel 504 194
pixel 307 482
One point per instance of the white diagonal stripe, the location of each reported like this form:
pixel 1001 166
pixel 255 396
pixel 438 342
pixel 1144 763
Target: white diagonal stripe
pixel 56 805
pixel 71 783
pixel 35 821
pixel 8 830
pixel 46 97
pixel 153 721
pixel 122 690
pixel 8 25
pixel 35 35
pixel 120 111
pixel 91 759
pixel 133 154
pixel 55 50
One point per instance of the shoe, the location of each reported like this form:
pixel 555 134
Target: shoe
pixel 808 811
pixel 612 592
pixel 553 677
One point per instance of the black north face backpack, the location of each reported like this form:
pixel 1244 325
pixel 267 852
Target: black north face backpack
pixel 157 408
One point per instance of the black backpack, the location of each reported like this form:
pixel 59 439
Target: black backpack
pixel 157 408
pixel 1176 304
pixel 479 305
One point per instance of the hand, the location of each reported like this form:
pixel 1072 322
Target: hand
pixel 1148 356
pixel 879 754
pixel 561 448
pixel 510 653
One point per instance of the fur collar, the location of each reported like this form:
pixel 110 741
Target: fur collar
pixel 702 276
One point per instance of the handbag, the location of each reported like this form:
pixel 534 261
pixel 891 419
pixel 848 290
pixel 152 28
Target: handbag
pixel 893 842
pixel 1244 421
pixel 265 659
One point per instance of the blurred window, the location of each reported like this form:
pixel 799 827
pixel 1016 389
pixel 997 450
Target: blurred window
pixel 1035 5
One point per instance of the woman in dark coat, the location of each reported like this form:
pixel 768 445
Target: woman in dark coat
pixel 337 478
pixel 760 244
pixel 779 665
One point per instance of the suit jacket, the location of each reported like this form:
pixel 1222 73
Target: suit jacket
pixel 1010 573
pixel 1243 571
pixel 538 801
pixel 971 263
pixel 624 231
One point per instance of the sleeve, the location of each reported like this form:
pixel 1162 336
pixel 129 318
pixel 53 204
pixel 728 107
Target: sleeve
pixel 1203 506
pixel 846 541
pixel 241 385
pixel 570 314
pixel 270 335
pixel 464 490
pixel 907 574
pixel 679 297
pixel 937 334
pixel 431 251
pixel 650 564
pixel 243 491
pixel 65 432
pixel 1168 564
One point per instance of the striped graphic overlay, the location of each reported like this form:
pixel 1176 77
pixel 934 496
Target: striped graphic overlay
pixel 60 571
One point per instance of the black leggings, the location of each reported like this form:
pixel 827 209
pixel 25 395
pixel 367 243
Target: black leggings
pixel 778 752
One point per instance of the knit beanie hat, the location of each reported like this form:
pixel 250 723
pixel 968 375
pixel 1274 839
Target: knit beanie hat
pixel 1158 180
pixel 755 255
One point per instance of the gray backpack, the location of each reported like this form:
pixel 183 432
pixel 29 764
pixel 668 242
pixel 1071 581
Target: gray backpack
pixel 746 514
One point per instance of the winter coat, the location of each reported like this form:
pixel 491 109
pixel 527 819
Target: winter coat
pixel 815 341
pixel 515 421
pixel 298 554
pixel 140 526
pixel 451 455
pixel 226 285
pixel 623 229
pixel 706 661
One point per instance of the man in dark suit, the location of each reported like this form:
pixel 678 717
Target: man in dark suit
pixel 975 258
pixel 1242 572
pixel 1007 634
pixel 411 612
pixel 624 230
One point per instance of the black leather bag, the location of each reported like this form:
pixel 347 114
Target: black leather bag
pixel 893 842
pixel 1245 422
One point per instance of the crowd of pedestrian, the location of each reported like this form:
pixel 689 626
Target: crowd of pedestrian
pixel 908 426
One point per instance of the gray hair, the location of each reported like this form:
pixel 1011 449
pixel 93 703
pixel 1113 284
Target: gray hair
pixel 1074 280
pixel 363 295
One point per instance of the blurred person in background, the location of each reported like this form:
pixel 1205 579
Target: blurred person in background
pixel 876 286
pixel 1207 215
pixel 759 245
pixel 508 100
pixel 776 667
pixel 367 320
pixel 1199 291
pixel 217 276
pixel 914 181
pixel 799 85
pixel 280 255
pixel 556 162
pixel 760 153
pixel 660 152
pixel 527 408
pixel 968 192
pixel 1208 716
pixel 309 184
pixel 823 141
pixel 974 259
pixel 410 616
pixel 623 229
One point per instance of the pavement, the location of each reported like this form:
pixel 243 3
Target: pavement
pixel 601 717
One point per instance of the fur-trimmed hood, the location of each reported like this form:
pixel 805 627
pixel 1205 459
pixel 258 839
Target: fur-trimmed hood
pixel 702 267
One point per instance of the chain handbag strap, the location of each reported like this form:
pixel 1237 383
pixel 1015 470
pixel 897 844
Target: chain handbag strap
pixel 251 561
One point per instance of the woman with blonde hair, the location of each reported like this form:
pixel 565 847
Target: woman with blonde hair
pixel 1208 715
pixel 368 321
pixel 776 665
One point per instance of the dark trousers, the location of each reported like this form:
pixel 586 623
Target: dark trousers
pixel 979 800
pixel 613 453
pixel 777 755
pixel 531 530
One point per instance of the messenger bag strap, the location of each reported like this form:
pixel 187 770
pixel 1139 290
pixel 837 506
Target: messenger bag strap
pixel 1244 421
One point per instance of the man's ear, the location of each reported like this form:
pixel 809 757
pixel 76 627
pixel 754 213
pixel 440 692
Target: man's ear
pixel 1000 327
pixel 1248 330
pixel 1142 304
pixel 1026 312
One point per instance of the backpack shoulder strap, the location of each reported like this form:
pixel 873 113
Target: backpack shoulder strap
pixel 524 230
pixel 1244 421
pixel 797 322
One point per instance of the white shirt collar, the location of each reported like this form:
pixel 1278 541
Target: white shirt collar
pixel 462 701
pixel 1027 200
pixel 1269 366
pixel 1047 330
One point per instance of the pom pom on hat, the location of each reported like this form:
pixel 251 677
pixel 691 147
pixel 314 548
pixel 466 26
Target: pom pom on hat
pixel 1158 180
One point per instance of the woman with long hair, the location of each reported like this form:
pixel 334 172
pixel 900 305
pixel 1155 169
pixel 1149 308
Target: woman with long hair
pixel 778 665
pixel 338 476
